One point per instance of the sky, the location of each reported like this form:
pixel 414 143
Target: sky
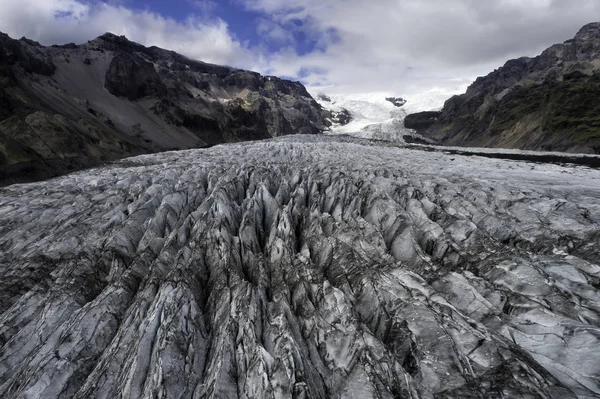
pixel 400 47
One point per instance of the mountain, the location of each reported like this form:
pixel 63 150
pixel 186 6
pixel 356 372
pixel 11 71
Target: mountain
pixel 549 102
pixel 307 266
pixel 72 106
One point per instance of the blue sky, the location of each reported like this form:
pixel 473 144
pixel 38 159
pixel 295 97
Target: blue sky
pixel 246 24
pixel 242 22
pixel 351 46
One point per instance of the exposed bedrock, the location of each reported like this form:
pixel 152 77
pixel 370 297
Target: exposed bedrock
pixel 131 76
pixel 302 267
pixel 421 120
pixel 547 103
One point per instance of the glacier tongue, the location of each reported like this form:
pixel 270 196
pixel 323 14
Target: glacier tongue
pixel 375 117
pixel 302 267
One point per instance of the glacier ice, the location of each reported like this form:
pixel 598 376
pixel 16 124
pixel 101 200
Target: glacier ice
pixel 302 267
pixel 375 117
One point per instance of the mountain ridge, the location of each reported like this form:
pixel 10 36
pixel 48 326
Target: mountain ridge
pixel 541 103
pixel 66 107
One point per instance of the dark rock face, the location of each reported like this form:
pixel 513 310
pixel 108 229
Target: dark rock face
pixel 302 267
pixel 422 120
pixel 544 103
pixel 26 54
pixel 130 76
pixel 397 101
pixel 111 90
pixel 341 118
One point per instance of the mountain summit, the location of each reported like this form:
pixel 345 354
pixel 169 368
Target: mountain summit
pixel 549 102
pixel 71 106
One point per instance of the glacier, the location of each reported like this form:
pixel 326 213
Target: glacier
pixel 303 267
pixel 375 117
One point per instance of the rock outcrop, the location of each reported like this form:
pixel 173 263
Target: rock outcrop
pixel 397 101
pixel 544 103
pixel 340 117
pixel 129 75
pixel 111 98
pixel 421 120
pixel 302 267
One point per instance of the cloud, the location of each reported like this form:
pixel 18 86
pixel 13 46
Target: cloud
pixel 62 21
pixel 206 7
pixel 398 46
pixel 410 45
pixel 273 32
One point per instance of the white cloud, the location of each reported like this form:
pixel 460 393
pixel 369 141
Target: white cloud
pixel 413 45
pixel 206 7
pixel 273 31
pixel 399 46
pixel 62 21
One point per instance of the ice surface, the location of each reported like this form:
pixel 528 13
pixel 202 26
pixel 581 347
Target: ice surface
pixel 374 117
pixel 303 267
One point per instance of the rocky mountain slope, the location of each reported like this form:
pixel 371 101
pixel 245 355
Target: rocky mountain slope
pixel 549 102
pixel 67 107
pixel 302 267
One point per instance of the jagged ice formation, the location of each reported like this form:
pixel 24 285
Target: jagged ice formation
pixel 302 267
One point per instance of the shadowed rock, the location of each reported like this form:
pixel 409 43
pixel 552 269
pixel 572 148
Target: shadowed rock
pixel 397 101
pixel 421 121
pixel 130 76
